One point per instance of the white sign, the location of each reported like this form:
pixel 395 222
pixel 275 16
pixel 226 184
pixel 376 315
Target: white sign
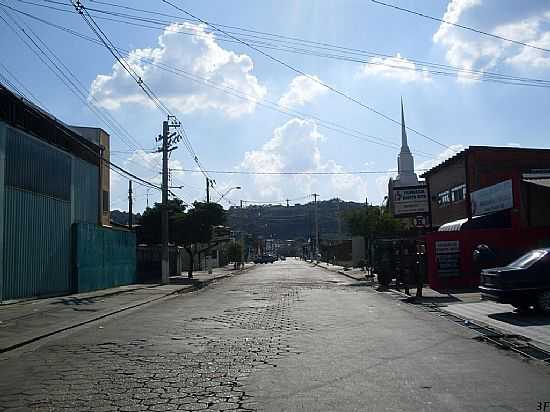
pixel 410 200
pixel 447 246
pixel 492 198
pixel 447 256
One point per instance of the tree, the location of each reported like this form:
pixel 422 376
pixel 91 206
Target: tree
pixel 194 228
pixel 233 251
pixel 371 222
pixel 149 230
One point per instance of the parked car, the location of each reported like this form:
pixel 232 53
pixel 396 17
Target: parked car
pixel 523 283
pixel 265 259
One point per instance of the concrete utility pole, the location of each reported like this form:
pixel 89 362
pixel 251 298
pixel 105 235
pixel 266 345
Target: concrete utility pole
pixel 167 140
pixel 315 195
pixel 164 215
pixel 130 215
pixel 207 190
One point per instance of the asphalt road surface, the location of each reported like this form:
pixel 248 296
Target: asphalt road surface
pixel 281 337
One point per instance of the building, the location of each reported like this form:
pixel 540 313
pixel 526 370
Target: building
pixel 497 196
pixel 407 196
pixel 52 191
pixel 101 139
pixel 451 182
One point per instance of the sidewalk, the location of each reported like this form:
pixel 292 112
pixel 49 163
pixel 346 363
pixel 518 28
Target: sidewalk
pixel 27 321
pixel 353 273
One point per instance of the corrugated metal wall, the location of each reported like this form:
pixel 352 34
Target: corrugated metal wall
pixel 45 191
pixel 104 257
pixel 85 191
pixel 37 255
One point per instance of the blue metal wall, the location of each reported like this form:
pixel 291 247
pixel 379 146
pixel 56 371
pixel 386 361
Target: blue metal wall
pixel 103 257
pixel 44 191
pixel 85 187
pixel 37 255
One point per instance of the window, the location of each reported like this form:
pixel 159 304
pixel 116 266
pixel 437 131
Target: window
pixel 458 193
pixel 443 198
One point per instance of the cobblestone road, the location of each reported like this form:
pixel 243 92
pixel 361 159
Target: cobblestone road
pixel 280 337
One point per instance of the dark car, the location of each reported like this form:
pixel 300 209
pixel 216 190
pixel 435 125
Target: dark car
pixel 523 283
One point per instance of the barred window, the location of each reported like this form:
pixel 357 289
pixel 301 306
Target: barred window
pixel 443 198
pixel 458 193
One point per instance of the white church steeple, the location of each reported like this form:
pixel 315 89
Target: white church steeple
pixel 405 161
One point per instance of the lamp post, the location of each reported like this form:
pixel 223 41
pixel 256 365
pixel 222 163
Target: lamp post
pixel 227 192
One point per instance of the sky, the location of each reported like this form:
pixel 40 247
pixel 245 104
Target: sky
pixel 290 110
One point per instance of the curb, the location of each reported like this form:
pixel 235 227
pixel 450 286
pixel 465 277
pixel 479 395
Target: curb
pixel 341 272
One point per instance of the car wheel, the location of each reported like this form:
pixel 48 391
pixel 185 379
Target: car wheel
pixel 543 302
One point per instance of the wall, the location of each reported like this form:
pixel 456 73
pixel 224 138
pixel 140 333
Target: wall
pixel 43 190
pixel 100 138
pixel 446 178
pixel 508 244
pixel 103 257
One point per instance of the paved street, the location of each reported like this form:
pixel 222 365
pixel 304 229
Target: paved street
pixel 285 336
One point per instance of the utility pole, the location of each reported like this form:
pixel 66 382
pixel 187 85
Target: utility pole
pixel 167 140
pixel 207 190
pixel 164 215
pixel 287 203
pixel 241 204
pixel 147 194
pixel 130 215
pixel 315 195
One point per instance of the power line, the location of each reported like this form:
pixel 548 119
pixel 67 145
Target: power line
pixel 292 173
pixel 496 36
pixel 312 78
pixel 59 69
pixel 112 166
pixel 329 125
pixel 289 44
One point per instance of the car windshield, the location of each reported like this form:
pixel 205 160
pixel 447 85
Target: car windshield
pixel 529 258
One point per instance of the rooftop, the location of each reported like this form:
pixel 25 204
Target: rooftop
pixel 461 154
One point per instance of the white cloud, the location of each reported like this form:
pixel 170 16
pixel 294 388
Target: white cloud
pixel 295 146
pixel 397 68
pixel 472 51
pixel 198 55
pixel 302 90
pixel 455 8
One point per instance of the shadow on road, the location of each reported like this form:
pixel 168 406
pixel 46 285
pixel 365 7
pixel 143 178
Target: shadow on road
pixel 521 319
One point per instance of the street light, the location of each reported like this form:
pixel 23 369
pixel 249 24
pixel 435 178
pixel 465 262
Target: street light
pixel 227 191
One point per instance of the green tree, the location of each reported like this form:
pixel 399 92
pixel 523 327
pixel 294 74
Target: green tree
pixel 371 221
pixel 149 231
pixel 193 229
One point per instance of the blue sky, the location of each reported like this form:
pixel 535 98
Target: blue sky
pixel 229 133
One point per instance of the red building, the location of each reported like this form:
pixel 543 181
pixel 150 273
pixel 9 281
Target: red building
pixel 498 196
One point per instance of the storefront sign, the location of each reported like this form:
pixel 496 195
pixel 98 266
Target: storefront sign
pixel 492 199
pixel 409 200
pixel 447 255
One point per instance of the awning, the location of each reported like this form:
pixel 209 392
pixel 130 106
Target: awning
pixel 539 182
pixel 497 220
